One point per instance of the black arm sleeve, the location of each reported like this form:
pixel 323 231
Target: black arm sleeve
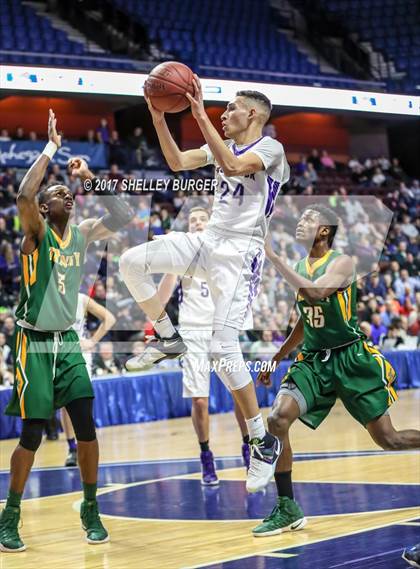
pixel 120 212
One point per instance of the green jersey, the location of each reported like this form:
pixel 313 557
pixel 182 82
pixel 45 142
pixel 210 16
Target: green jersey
pixel 50 282
pixel 330 322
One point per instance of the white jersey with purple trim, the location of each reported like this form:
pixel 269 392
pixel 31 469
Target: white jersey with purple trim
pixel 243 205
pixel 196 308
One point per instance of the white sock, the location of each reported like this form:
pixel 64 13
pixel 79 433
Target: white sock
pixel 256 427
pixel 164 327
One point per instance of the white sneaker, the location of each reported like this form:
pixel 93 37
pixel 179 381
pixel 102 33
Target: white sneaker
pixel 155 351
pixel 264 456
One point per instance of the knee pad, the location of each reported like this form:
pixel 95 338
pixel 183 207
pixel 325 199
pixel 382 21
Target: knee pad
pixel 31 436
pixel 81 415
pixel 229 362
pixel 133 268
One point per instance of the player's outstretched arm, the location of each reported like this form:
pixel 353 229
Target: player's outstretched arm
pixel 33 224
pixel 176 158
pixel 120 213
pixel 339 274
pixel 232 165
pixel 291 342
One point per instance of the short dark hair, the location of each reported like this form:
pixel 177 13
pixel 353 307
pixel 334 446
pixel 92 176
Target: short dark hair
pixel 329 216
pixel 42 196
pixel 257 96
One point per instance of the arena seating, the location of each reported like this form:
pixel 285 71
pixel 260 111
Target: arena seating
pixel 243 45
pixel 391 26
pixel 26 37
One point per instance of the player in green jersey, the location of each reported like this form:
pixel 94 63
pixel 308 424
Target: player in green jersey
pixel 335 360
pixel 50 371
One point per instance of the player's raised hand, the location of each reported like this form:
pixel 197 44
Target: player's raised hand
pixel 52 129
pixel 264 378
pixel 78 167
pixel 197 102
pixel 156 115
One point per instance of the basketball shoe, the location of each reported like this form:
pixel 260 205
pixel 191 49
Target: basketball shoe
pixel 156 350
pixel 264 455
pixel 412 555
pixel 286 516
pixel 91 523
pixel 10 541
pixel 71 459
pixel 209 476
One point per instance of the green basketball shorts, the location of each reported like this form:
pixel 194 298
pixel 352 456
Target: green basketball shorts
pixel 50 372
pixel 357 374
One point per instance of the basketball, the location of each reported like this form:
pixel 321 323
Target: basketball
pixel 167 84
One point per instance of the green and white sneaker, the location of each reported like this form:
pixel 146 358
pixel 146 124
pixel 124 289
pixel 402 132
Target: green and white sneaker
pixel 10 541
pixel 91 523
pixel 286 516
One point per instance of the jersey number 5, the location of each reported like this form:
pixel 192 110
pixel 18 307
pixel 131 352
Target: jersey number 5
pixel 61 283
pixel 314 316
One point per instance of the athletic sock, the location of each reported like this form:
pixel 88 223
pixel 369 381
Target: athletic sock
pixel 204 446
pixel 256 427
pixel 284 484
pixel 245 439
pixel 72 444
pixel 164 327
pixel 89 491
pixel 13 499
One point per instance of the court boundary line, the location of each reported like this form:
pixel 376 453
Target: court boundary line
pixel 227 560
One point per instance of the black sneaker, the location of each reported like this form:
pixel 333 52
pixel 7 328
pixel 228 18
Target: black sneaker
pixel 156 350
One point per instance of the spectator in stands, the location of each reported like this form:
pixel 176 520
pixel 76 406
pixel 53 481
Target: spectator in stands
pixel 389 312
pixel 396 171
pixel 9 267
pixel 302 165
pixel 6 362
pixel 304 181
pixel 102 132
pixel 19 134
pixel 384 163
pixel 59 177
pixel 138 146
pixel 314 159
pixel 408 228
pixel 405 286
pixel 354 163
pixel 91 136
pixel 32 136
pixel 359 175
pixel 326 161
pixel 313 176
pixel 4 135
pixel 105 362
pixel 376 286
pixel 265 348
pixel 114 173
pixel 392 339
pixel 378 178
pixel 9 331
pixel 166 220
pixel 117 151
pixel 378 330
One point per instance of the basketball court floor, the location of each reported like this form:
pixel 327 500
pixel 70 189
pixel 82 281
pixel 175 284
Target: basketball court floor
pixel 362 504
